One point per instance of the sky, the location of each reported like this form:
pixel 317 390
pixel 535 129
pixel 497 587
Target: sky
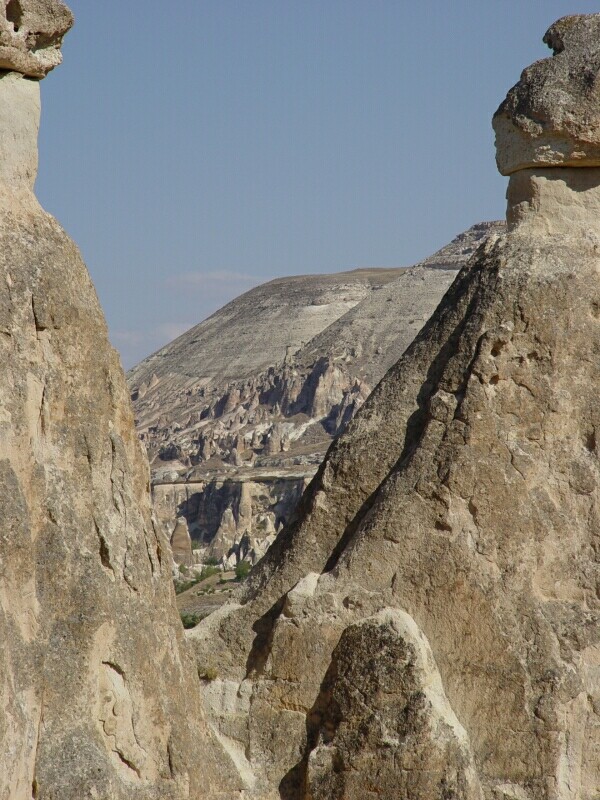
pixel 196 148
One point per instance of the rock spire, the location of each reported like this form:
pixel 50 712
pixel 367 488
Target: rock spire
pixel 98 695
pixel 428 626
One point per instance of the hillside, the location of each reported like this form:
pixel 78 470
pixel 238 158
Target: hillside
pixel 238 412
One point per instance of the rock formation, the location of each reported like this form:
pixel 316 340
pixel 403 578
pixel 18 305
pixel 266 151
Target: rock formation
pixel 181 544
pixel 551 118
pixel 31 33
pixel 428 625
pixel 98 693
pixel 237 423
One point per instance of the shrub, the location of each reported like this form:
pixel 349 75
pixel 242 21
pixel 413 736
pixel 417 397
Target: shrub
pixel 208 674
pixel 208 572
pixel 242 570
pixel 191 620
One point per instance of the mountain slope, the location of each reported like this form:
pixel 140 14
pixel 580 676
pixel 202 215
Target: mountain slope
pixel 253 331
pixel 238 413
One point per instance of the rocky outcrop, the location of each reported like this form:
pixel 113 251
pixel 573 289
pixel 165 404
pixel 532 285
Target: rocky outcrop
pixel 428 626
pixel 99 697
pixel 383 694
pixel 31 34
pixel 232 518
pixel 215 417
pixel 551 118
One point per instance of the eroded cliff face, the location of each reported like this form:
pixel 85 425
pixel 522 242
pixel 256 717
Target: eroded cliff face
pixel 99 696
pixel 232 518
pixel 232 419
pixel 429 624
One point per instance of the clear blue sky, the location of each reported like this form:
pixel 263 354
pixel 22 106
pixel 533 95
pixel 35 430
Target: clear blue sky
pixel 194 148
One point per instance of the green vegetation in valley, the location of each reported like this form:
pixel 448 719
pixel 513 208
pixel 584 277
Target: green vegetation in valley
pixel 242 570
pixel 183 585
pixel 191 620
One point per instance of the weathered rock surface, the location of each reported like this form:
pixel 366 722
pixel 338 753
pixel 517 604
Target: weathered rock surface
pixel 236 514
pixel 181 543
pixel 428 625
pixel 31 34
pixel 382 694
pixel 98 694
pixel 234 436
pixel 552 116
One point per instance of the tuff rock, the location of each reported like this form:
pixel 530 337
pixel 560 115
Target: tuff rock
pixel 551 118
pixel 99 696
pixel 181 544
pixel 31 34
pixel 428 624
pixel 236 422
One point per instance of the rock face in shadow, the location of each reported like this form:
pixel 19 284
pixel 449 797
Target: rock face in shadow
pixel 99 697
pixel 382 694
pixel 237 422
pixel 428 625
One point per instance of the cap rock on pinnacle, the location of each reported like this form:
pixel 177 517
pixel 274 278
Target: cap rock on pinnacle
pixel 31 34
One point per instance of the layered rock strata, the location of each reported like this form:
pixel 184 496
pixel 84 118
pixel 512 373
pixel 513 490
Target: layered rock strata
pixel 98 695
pixel 233 439
pixel 428 625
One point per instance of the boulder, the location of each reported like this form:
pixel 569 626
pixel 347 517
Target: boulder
pixel 382 693
pixel 551 118
pixel 31 34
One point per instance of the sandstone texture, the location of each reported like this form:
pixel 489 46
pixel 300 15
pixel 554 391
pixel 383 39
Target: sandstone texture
pixel 428 623
pixel 31 34
pixel 99 696
pixel 238 413
pixel 552 117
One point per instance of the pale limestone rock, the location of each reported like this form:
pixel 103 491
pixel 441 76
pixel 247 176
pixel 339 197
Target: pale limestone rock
pixel 99 697
pixel 568 198
pixel 428 626
pixel 552 116
pixel 227 535
pixel 31 34
pixel 19 126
